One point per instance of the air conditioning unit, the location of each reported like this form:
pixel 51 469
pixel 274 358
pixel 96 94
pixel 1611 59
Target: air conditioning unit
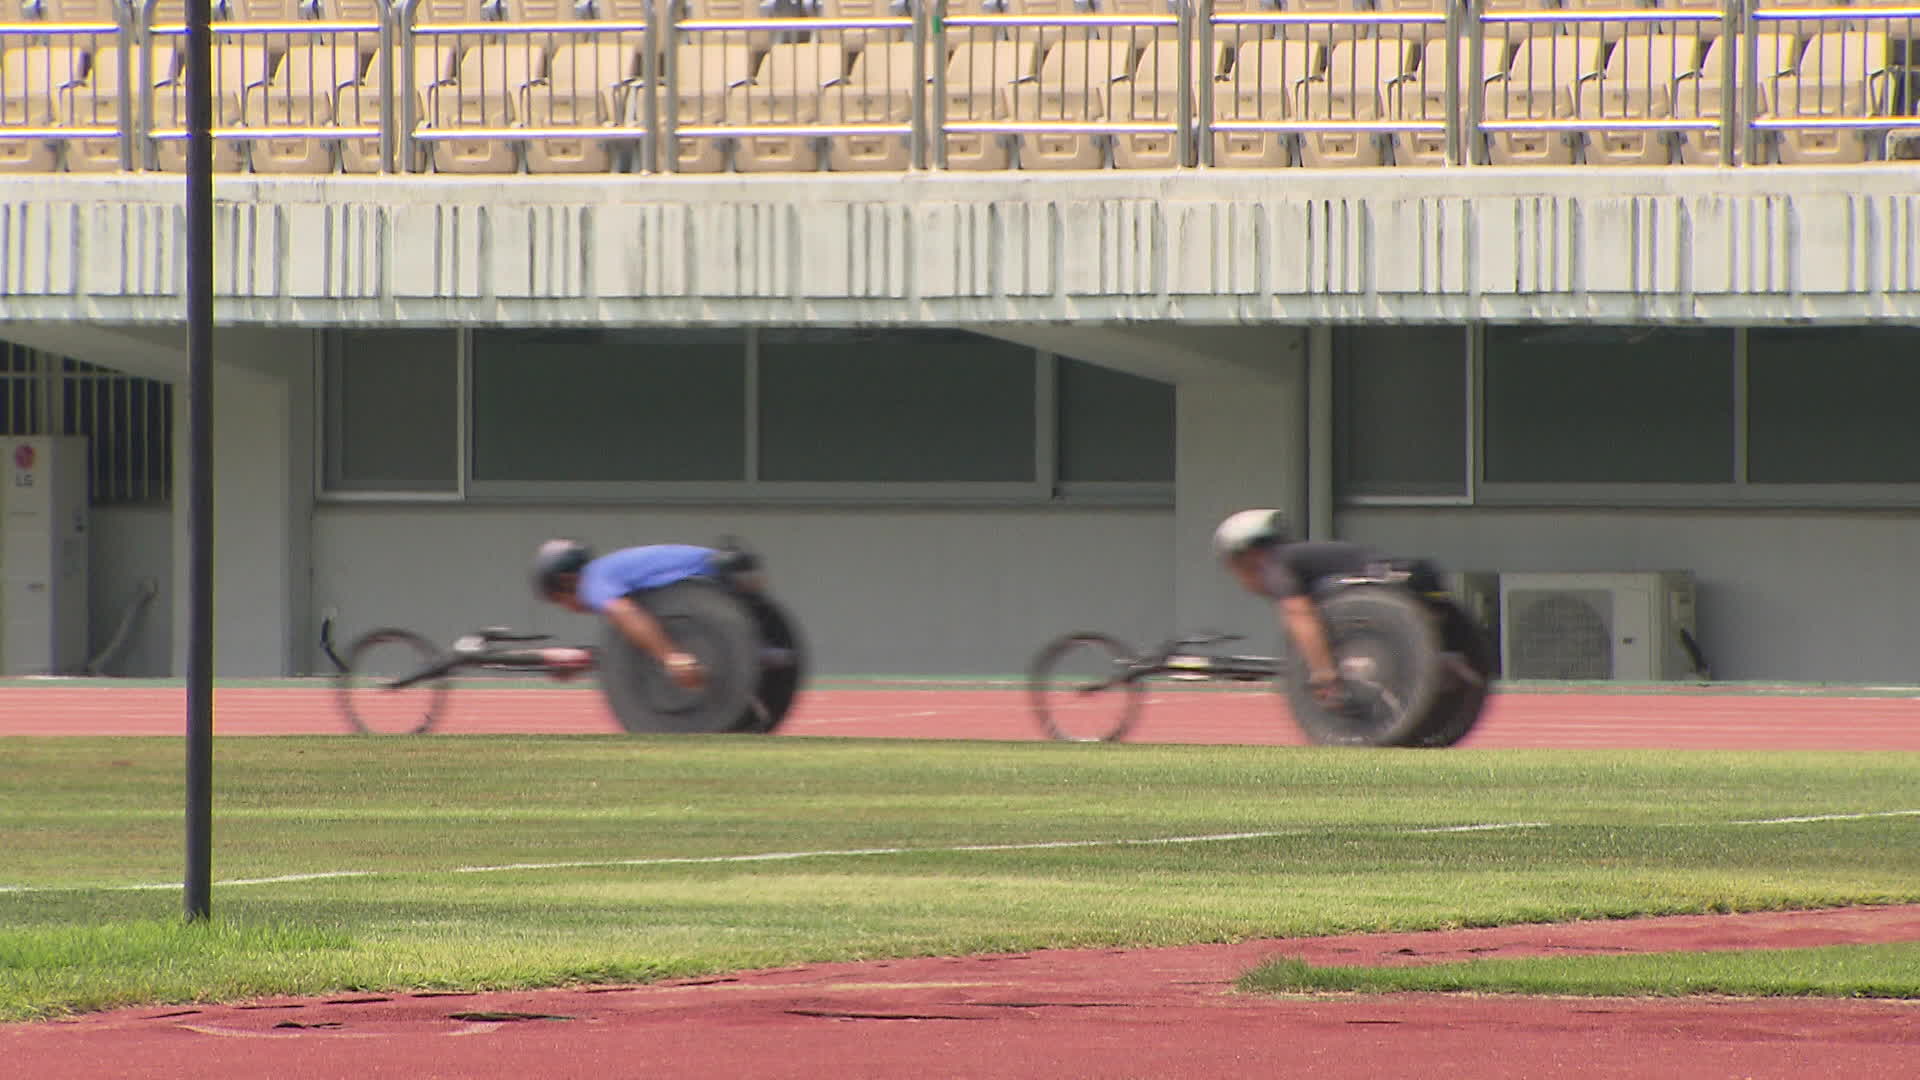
pixel 1478 594
pixel 43 555
pixel 1631 626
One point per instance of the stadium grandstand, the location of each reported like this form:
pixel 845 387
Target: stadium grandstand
pixel 976 317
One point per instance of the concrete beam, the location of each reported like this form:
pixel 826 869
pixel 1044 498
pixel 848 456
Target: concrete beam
pixel 1168 353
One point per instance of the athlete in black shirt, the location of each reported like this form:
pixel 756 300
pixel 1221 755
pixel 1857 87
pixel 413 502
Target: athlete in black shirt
pixel 1261 554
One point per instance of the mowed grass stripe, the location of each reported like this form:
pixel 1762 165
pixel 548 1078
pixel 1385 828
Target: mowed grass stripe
pixel 994 847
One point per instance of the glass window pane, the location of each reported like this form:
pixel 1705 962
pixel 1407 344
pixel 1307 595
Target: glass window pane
pixel 1833 405
pixel 1581 404
pixel 1113 427
pixel 894 406
pixel 393 407
pixel 1400 408
pixel 610 407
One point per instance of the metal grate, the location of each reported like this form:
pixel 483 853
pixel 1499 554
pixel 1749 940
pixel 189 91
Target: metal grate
pixel 1562 634
pixel 127 421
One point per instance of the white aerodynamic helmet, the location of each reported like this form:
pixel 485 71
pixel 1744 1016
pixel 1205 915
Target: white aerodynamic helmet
pixel 1250 529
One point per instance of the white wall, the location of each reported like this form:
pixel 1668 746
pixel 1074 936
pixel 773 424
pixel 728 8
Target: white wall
pixel 1786 595
pixel 263 492
pixel 130 545
pixel 907 591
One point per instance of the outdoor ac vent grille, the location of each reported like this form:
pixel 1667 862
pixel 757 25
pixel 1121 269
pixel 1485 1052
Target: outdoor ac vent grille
pixel 1561 634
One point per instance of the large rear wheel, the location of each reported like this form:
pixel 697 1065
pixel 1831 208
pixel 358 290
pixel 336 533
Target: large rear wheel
pixel 1387 652
pixel 703 619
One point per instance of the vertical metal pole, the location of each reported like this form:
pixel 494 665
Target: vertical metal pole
pixel 145 87
pixel 1203 107
pixel 401 79
pixel 132 21
pixel 1183 97
pixel 921 35
pixel 199 872
pixel 1476 87
pixel 667 142
pixel 1750 85
pixel 1456 36
pixel 388 81
pixel 1729 119
pixel 650 91
pixel 937 120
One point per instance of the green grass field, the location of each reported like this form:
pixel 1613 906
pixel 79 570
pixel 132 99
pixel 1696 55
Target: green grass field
pixel 363 864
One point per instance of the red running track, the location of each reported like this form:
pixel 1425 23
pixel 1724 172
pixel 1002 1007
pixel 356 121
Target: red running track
pixel 1570 721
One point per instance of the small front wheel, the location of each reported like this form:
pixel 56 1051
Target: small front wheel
pixel 1085 687
pixel 372 703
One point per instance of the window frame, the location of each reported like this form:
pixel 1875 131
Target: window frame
pixel 1045 488
pixel 1742 493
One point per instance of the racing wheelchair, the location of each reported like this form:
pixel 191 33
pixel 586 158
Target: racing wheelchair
pixel 1417 670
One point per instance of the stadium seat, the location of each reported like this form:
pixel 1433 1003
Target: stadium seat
pixel 1517 33
pixel 1418 33
pixel 853 41
pixel 756 41
pixel 1540 85
pixel 1607 31
pixel 95 102
pixel 278 11
pixel 624 11
pixel 486 94
pixel 1896 29
pixel 1231 36
pixel 1843 73
pixel 878 90
pixel 787 89
pixel 585 87
pixel 1705 31
pixel 1260 88
pixel 1354 87
pixel 1697 93
pixel 32 80
pixel 1078 81
pixel 979 89
pixel 1044 37
pixel 73 11
pixel 1421 96
pixel 301 94
pixel 238 67
pixel 1636 85
pixel 704 73
pixel 1326 33
pixel 1802 28
pixel 1152 96
pixel 435 62
pixel 366 43
pixel 427 12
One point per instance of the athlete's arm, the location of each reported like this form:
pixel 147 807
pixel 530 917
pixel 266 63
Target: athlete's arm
pixel 1302 621
pixel 640 627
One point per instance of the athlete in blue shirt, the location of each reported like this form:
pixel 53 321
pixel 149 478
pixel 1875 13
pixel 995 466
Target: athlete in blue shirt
pixel 565 572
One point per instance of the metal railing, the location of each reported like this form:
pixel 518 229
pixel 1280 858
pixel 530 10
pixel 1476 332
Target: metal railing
pixel 991 86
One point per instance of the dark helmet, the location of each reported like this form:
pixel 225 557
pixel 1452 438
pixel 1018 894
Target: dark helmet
pixel 554 558
pixel 1250 529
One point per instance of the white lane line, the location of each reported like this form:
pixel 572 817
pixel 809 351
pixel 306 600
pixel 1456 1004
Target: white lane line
pixel 1828 817
pixel 830 853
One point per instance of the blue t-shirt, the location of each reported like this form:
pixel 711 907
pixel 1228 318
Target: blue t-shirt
pixel 654 566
